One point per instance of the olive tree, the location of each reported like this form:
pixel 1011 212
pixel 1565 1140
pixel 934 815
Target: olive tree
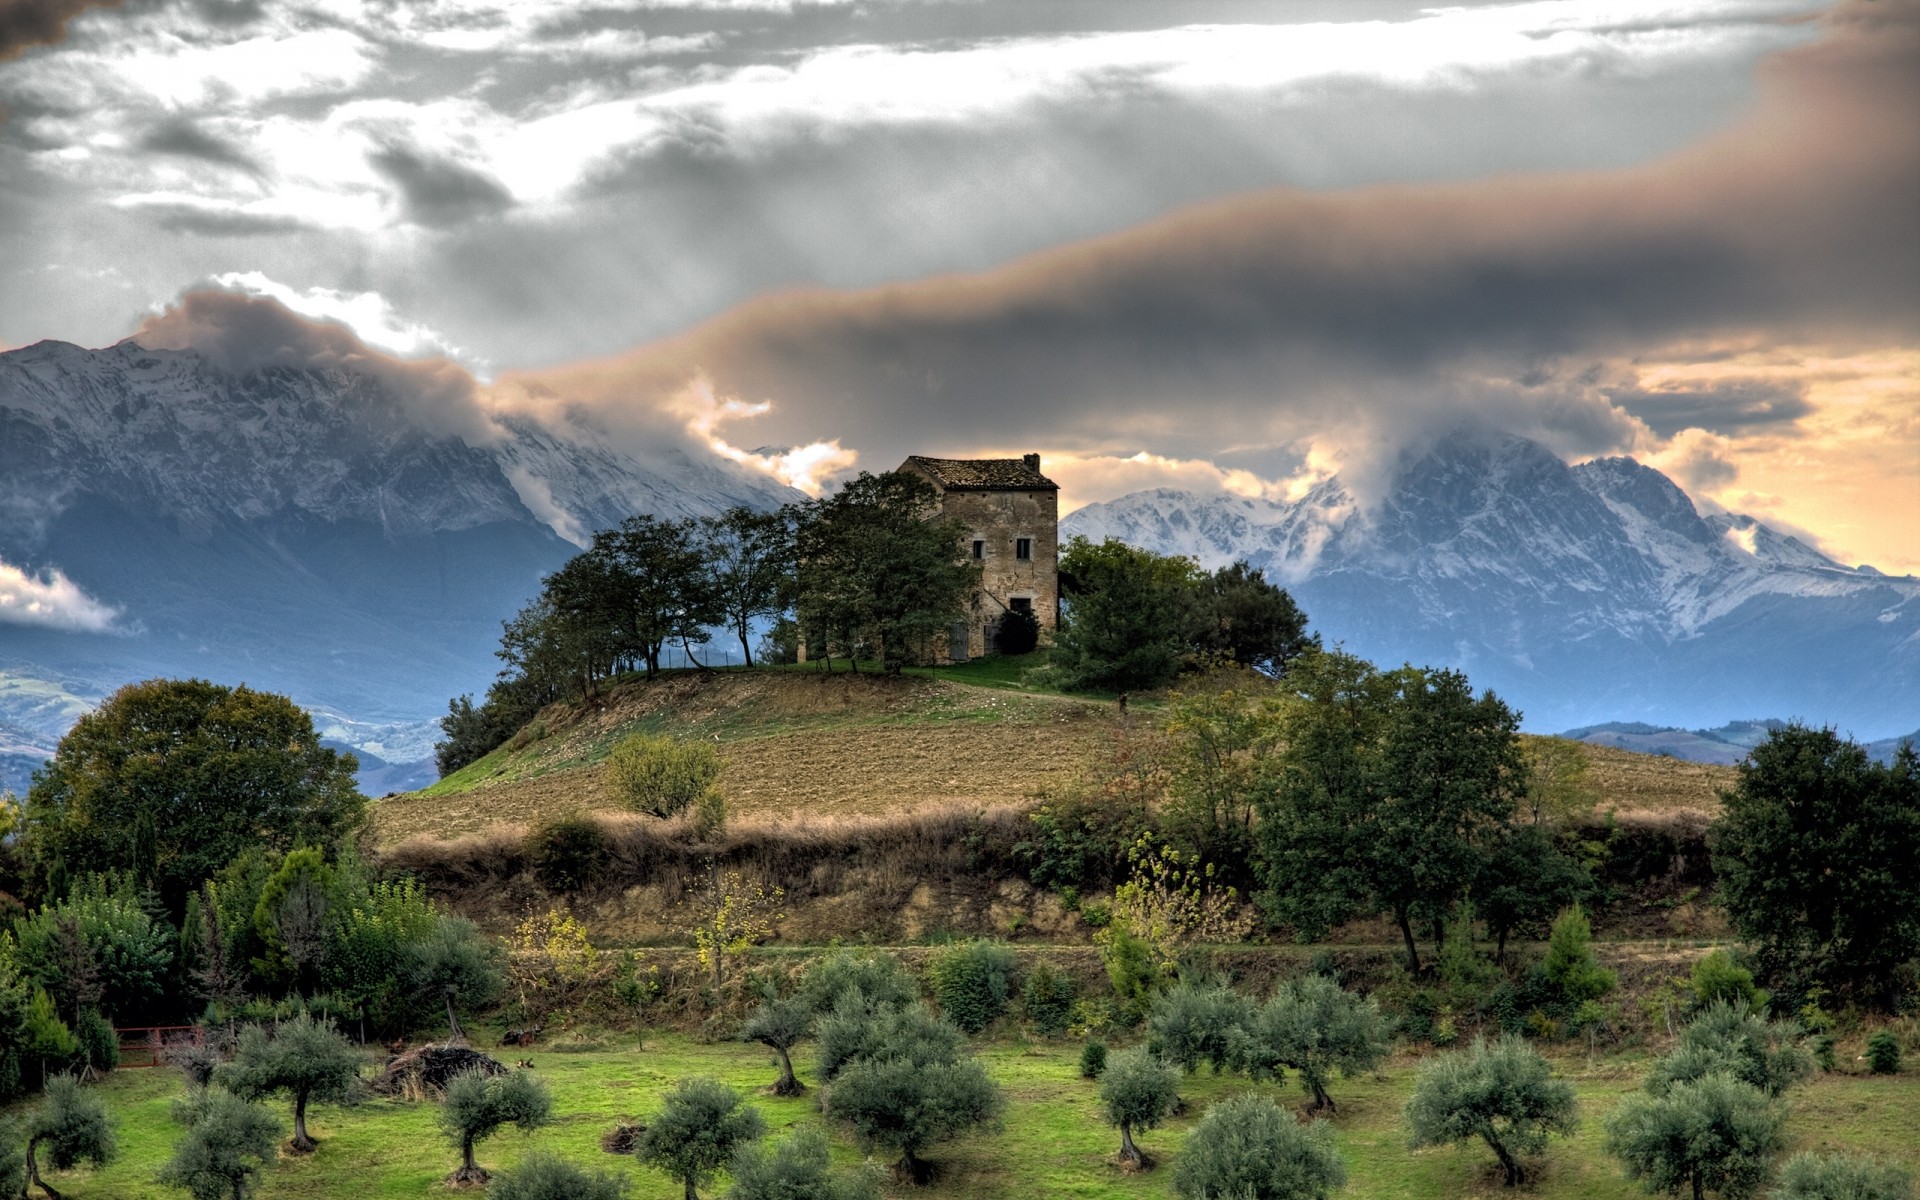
pixel 1191 1023
pixel 903 1080
pixel 1715 1133
pixel 1504 1094
pixel 70 1125
pixel 780 1025
pixel 1810 1176
pixel 477 1106
pixel 545 1176
pixel 304 1058
pixel 697 1131
pixel 1139 1091
pixel 1248 1149
pixel 1728 1038
pixel 1316 1027
pixel 797 1168
pixel 227 1143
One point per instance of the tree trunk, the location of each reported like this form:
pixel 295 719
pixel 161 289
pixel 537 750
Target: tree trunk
pixel 746 652
pixel 1500 948
pixel 1512 1167
pixel 301 1141
pixel 789 1085
pixel 470 1172
pixel 1699 1189
pixel 1129 1153
pixel 455 1033
pixel 1413 951
pixel 33 1171
pixel 691 1194
pixel 1322 1101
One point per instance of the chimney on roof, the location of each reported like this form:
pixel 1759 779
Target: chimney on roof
pixel 1033 463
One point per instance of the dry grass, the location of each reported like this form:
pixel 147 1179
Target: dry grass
pixel 1634 784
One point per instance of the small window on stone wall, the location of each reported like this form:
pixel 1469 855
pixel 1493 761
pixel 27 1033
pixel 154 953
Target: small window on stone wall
pixel 979 548
pixel 1023 548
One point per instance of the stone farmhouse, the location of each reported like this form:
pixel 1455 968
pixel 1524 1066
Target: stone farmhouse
pixel 1012 513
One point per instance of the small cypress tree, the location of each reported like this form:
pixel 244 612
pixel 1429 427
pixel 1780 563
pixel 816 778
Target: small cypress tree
pixel 1504 1094
pixel 1047 996
pixel 304 1058
pixel 972 982
pixel 697 1131
pixel 227 1143
pixel 1139 1091
pixel 1883 1053
pixel 1570 965
pixel 477 1106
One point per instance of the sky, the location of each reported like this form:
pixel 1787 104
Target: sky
pixel 1210 244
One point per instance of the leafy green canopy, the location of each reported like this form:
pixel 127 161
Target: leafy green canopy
pixel 304 1058
pixel 1813 859
pixel 1809 1176
pixel 797 1168
pixel 699 1128
pixel 544 1176
pixel 972 982
pixel 1248 1149
pixel 1728 1039
pixel 1715 1133
pixel 1502 1093
pixel 1316 1027
pixel 478 1105
pixel 170 779
pixel 1137 1091
pixel 227 1143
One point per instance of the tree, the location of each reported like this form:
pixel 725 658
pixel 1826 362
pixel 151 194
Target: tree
pixel 876 976
pixel 1728 1038
pixel 730 915
pixel 1570 965
pixel 1715 1133
pixel 1248 1149
pixel 304 1058
pixel 1218 742
pixel 455 965
pixel 662 775
pixel 1504 1094
pixel 907 1106
pixel 1813 860
pixel 1316 1027
pixel 1194 1023
pixel 293 915
pixel 972 982
pixel 550 960
pixel 227 1143
pixel 1139 1091
pixel 797 1168
pixel 1526 879
pixel 1809 1176
pixel 749 559
pixel 858 1029
pixel 1128 618
pixel 478 1104
pixel 697 1131
pixel 780 1025
pixel 653 587
pixel 1246 620
pixel 542 1176
pixel 13 1159
pixel 875 570
pixel 98 948
pixel 171 779
pixel 71 1125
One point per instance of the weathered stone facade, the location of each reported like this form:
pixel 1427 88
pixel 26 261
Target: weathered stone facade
pixel 1012 515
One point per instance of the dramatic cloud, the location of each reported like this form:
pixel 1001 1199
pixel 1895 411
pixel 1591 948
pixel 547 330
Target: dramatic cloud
pixel 25 23
pixel 51 600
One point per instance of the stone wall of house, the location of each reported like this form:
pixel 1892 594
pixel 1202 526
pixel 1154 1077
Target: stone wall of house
pixel 996 521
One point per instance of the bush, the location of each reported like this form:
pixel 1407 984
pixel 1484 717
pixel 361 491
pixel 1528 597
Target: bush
pixel 1019 632
pixel 1047 997
pixel 1570 966
pixel 1883 1053
pixel 699 1128
pixel 1316 1027
pixel 1717 979
pixel 227 1144
pixel 1504 1094
pixel 972 981
pixel 1714 1133
pixel 878 979
pixel 1093 1058
pixel 1191 1024
pixel 661 775
pixel 1248 1149
pixel 1139 1091
pixel 99 1044
pixel 98 948
pixel 1728 1039
pixel 906 1105
pixel 797 1168
pixel 543 1176
pixel 1810 1176
pixel 857 1030
pixel 567 854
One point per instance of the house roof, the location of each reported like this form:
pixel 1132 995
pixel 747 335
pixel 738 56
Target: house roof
pixel 983 474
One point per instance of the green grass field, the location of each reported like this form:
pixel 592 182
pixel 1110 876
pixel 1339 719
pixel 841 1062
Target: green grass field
pixel 1054 1143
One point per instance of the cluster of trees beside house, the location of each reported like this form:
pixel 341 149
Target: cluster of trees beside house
pixel 864 573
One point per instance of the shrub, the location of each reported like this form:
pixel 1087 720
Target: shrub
pixel 1248 1149
pixel 456 966
pixel 1883 1053
pixel 1019 632
pixel 1130 969
pixel 1047 997
pixel 1316 1027
pixel 1809 1176
pixel 227 1143
pixel 797 1168
pixel 972 981
pixel 71 1125
pixel 97 949
pixel 907 1105
pixel 857 1030
pixel 1727 1038
pixel 1093 1059
pixel 99 1044
pixel 543 1176
pixel 1191 1024
pixel 567 854
pixel 1717 979
pixel 1139 1091
pixel 1570 966
pixel 478 1104
pixel 1504 1094
pixel 699 1128
pixel 1714 1133
pixel 304 1058
pixel 661 775
pixel 877 977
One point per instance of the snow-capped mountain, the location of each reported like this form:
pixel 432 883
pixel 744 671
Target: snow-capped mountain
pixel 320 531
pixel 1581 593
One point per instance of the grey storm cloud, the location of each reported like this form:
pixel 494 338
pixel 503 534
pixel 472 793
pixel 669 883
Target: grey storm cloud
pixel 1724 409
pixel 28 23
pixel 184 139
pixel 187 218
pixel 437 191
pixel 1408 307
